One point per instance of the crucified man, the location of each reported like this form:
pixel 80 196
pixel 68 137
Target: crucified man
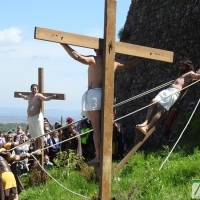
pixel 35 116
pixel 162 102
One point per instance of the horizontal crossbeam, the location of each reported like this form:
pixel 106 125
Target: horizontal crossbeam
pixel 58 96
pixel 97 43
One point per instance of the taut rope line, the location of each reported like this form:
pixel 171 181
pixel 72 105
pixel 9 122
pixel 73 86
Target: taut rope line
pixel 180 135
pixel 155 102
pixel 58 182
pixel 67 139
pixel 154 89
pixel 92 129
pixel 144 93
pixel 28 142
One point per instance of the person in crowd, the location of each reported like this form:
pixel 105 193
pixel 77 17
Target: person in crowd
pixel 12 158
pixel 48 124
pixel 46 139
pixel 2 138
pixel 23 150
pixel 47 163
pixel 10 137
pixel 84 138
pixel 19 132
pixel 69 132
pixel 54 148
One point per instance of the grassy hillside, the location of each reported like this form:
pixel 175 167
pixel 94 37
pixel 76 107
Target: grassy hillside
pixel 139 179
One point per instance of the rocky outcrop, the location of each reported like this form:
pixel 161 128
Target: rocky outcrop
pixel 172 25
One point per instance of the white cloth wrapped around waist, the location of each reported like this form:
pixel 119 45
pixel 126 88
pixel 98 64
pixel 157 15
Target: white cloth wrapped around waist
pixel 168 97
pixel 36 125
pixel 91 100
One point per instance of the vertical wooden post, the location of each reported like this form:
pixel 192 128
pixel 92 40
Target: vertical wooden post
pixel 41 85
pixel 107 101
pixel 41 90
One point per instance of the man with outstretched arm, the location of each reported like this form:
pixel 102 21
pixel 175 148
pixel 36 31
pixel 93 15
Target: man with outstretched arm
pixel 162 102
pixel 91 100
pixel 35 116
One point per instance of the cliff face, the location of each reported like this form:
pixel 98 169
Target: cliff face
pixel 172 25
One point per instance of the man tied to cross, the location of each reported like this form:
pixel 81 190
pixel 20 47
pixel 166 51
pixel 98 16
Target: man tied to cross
pixel 91 100
pixel 167 97
pixel 35 116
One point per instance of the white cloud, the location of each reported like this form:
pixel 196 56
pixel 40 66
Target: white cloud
pixel 10 36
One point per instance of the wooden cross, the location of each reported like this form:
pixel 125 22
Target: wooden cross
pixel 109 47
pixel 41 90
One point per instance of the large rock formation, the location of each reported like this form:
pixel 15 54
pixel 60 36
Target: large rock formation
pixel 172 25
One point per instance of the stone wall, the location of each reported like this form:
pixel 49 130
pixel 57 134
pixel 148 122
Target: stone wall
pixel 172 25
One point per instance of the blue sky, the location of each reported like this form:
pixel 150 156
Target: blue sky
pixel 21 55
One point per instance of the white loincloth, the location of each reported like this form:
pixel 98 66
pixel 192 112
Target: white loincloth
pixel 169 101
pixel 91 100
pixel 36 125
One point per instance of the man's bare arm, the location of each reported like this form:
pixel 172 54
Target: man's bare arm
pixel 43 98
pixel 23 96
pixel 128 63
pixel 87 60
pixel 195 76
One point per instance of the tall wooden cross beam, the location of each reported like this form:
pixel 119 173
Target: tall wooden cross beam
pixel 109 47
pixel 41 90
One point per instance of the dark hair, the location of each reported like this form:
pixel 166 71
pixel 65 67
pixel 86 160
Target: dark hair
pixel 34 85
pixel 188 63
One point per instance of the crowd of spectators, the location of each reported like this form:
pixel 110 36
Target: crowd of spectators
pixel 53 135
pixel 52 139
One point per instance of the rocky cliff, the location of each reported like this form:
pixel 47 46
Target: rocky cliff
pixel 172 25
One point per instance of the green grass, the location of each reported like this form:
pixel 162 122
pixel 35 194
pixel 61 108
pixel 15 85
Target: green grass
pixel 139 179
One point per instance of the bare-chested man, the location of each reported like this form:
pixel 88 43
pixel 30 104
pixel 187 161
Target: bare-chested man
pixel 35 116
pixel 161 103
pixel 91 100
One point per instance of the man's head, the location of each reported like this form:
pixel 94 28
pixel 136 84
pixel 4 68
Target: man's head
pixel 46 129
pixel 98 51
pixel 46 159
pixel 34 88
pixel 55 134
pixel 69 120
pixel 186 65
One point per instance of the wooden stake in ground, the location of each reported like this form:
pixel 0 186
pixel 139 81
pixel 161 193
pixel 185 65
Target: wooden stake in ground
pixel 41 90
pixel 110 47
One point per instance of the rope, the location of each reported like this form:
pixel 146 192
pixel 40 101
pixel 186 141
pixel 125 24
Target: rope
pixel 155 102
pixel 144 93
pixel 67 140
pixel 28 142
pixel 92 129
pixel 180 135
pixel 58 182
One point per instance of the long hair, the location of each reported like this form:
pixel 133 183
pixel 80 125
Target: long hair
pixel 188 67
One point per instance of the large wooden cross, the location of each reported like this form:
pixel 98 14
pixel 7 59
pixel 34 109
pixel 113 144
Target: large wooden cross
pixel 41 90
pixel 109 47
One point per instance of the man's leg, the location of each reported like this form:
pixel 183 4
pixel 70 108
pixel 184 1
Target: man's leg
pixel 95 117
pixel 156 117
pixel 149 112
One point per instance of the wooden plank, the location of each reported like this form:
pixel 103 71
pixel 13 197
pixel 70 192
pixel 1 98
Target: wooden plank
pixel 140 142
pixel 68 38
pixel 97 43
pixel 144 52
pixel 41 89
pixel 107 100
pixel 59 96
pixel 135 148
